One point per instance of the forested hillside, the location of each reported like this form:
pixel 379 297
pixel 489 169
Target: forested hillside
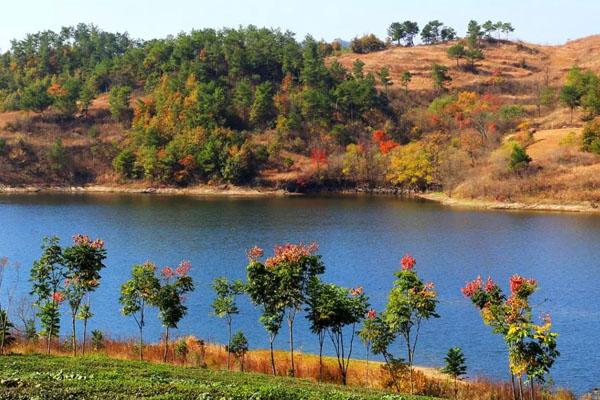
pixel 260 107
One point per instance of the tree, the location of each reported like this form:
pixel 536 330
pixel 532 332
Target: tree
pixel 224 305
pixel 569 96
pixel 64 95
pixel 455 365
pixel 119 100
pixel 591 137
pixel 430 34
pixel 396 32
pixel 170 298
pixel 474 33
pixel 366 44
pixel 474 55
pixel 410 166
pixel 406 78
pixel 531 347
pixel 439 74
pixel 261 112
pixel 319 314
pixel 6 337
pixel 262 287
pixel 410 302
pixel 46 277
pixel 57 156
pixel 83 262
pixel 238 346
pixel 411 29
pixel 348 307
pixel 447 34
pixel 457 52
pixel 488 28
pixel 85 314
pixel 507 28
pixel 519 159
pixel 137 293
pixel 35 97
pixel 385 79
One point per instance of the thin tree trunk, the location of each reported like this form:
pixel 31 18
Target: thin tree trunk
pixel 532 389
pixel 229 345
pixel 74 337
pixel 166 344
pixel 271 339
pixel 291 326
pixel 520 388
pixel 514 389
pixel 141 343
pixel 321 340
pixel 84 337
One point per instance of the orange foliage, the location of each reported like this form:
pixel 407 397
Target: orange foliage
pixel 381 139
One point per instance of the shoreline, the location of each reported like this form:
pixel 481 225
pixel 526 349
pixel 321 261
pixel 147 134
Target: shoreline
pixel 242 191
pixel 442 198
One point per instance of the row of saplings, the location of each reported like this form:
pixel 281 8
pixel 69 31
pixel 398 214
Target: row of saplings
pixel 283 285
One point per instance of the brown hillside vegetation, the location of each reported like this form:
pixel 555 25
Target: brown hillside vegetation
pixel 517 62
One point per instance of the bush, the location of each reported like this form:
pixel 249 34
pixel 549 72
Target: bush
pixel 519 158
pixel 124 164
pixel 591 137
pixel 57 156
pixel 2 145
pixel 366 44
pixel 97 339
pixel 119 100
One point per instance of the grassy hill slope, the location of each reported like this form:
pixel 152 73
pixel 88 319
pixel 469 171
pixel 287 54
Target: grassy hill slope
pixel 27 377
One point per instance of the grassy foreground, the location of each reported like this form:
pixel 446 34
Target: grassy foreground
pixel 52 377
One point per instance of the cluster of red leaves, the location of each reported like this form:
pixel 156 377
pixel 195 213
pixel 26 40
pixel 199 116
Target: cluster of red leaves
pixel 371 314
pixel 517 281
pixel 318 156
pixel 254 253
pixel 381 139
pixel 84 240
pixel 408 263
pixel 56 90
pixel 291 253
pixel 357 291
pixel 58 297
pixel 182 269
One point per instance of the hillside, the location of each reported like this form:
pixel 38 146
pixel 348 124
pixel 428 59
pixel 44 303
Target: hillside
pixel 300 140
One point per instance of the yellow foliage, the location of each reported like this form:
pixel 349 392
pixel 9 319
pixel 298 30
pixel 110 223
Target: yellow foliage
pixel 410 165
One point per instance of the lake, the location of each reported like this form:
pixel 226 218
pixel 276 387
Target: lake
pixel 361 239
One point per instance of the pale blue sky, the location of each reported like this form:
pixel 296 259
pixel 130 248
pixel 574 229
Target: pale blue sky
pixel 539 21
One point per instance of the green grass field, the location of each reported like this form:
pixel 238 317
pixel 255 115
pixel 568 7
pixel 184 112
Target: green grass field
pixel 48 377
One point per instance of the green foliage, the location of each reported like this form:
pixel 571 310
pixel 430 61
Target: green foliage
pixel 439 74
pixel 457 51
pixel 6 326
pixel 403 31
pixel 519 159
pixel 97 340
pixel 431 32
pixel 124 164
pixel 35 97
pixel 119 100
pixel 591 137
pixel 2 145
pixel 238 347
pixel 57 156
pixel 224 305
pixel 455 363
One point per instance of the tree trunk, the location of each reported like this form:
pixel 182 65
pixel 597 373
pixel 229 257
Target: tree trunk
pixel 321 339
pixel 84 337
pixel 532 389
pixel 141 326
pixel 271 339
pixel 291 326
pixel 166 345
pixel 520 388
pixel 514 389
pixel 229 345
pixel 74 337
pixel 48 340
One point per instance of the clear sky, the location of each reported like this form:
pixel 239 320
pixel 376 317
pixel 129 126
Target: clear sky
pixel 539 21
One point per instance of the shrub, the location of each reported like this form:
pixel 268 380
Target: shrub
pixel 97 340
pixel 119 100
pixel 57 156
pixel 591 137
pixel 366 44
pixel 124 164
pixel 519 158
pixel 2 145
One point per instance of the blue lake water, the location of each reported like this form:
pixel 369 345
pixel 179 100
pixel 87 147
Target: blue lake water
pixel 361 240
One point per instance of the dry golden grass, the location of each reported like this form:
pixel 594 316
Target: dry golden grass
pixel 362 373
